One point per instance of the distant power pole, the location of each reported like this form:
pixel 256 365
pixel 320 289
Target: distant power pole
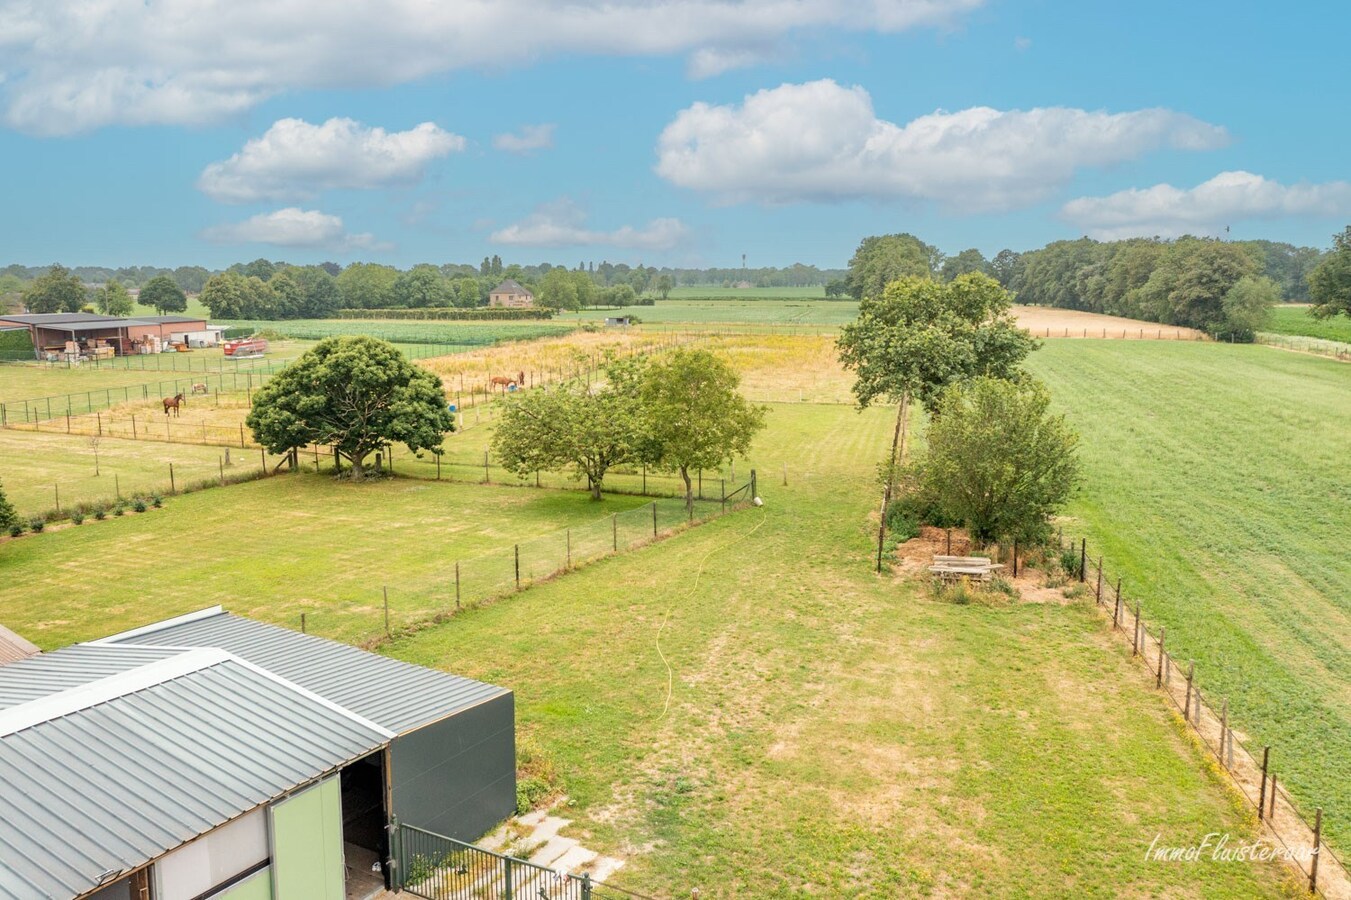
pixel 743 262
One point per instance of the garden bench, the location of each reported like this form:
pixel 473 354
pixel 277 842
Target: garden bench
pixel 978 568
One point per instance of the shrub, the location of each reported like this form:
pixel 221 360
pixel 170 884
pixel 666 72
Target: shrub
pixel 36 524
pixel 1069 562
pixel 77 518
pixel 530 792
pixel 101 512
pixel 119 510
pixel 138 504
pixel 902 519
pixel 156 501
pixel 16 529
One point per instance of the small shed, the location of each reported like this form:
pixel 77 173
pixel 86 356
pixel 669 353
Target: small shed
pixel 214 756
pixel 618 321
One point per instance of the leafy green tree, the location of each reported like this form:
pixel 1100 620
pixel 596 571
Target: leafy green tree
pixel 1004 266
pixel 357 394
pixel 920 336
pixel 286 296
pixel 164 294
pixel 113 300
pixel 570 427
pixel 1247 305
pixel 837 288
pixel 1050 276
pixel 320 298
pixel 58 290
pixel 8 515
pixel 664 285
pixel 1330 282
pixel 557 290
pixel 964 263
pixel 881 259
pixel 225 296
pixel 191 278
pixel 367 286
pixel 997 460
pixel 696 417
pixel 420 287
pixel 1190 283
pixel 467 293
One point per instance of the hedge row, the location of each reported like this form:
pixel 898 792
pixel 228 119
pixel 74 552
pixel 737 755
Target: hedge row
pixel 479 313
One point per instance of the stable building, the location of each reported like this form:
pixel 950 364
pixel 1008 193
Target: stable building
pixel 212 756
pixel 63 335
pixel 511 293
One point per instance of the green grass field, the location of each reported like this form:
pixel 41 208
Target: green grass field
pixel 755 293
pixel 1216 484
pixel 415 331
pixel 775 312
pixel 38 470
pixel 1295 320
pixel 829 732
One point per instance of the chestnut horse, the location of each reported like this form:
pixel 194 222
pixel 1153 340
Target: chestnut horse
pixel 173 403
pixel 505 381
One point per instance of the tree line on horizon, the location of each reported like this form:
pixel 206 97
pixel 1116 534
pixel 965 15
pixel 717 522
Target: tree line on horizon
pixel 1223 288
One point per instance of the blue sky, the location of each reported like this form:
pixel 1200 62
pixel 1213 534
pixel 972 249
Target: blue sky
pixel 680 132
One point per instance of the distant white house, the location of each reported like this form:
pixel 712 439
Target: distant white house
pixel 511 293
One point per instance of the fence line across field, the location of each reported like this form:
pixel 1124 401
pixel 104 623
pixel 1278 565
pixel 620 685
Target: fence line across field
pixel 482 578
pixel 1299 834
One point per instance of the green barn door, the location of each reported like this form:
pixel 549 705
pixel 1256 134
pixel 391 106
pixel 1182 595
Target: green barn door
pixel 307 860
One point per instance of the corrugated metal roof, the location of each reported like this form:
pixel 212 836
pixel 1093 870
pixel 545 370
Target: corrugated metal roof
pixel 71 667
pixel 397 695
pixel 14 647
pixel 120 782
pixel 56 318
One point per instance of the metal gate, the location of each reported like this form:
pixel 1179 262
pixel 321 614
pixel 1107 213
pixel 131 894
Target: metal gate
pixel 440 868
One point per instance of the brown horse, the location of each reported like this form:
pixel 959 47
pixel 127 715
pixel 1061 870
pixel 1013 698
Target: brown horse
pixel 173 403
pixel 505 381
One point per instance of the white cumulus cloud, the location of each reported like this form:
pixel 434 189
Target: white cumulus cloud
pixel 1168 211
pixel 292 227
pixel 821 141
pixel 296 159
pixel 67 67
pixel 530 137
pixel 563 224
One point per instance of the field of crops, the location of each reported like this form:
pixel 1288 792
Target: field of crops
pixel 1296 320
pixel 1216 483
pixel 756 293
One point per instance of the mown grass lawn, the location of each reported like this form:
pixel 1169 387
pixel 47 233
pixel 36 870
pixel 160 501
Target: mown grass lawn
pixel 831 732
pixel 278 547
pixel 1217 485
pixel 37 470
pixel 1296 320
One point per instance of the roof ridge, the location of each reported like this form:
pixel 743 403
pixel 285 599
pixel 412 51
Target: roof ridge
pixel 110 687
pixel 117 639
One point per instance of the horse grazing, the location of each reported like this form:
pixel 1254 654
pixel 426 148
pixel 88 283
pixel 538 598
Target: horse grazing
pixel 199 388
pixel 506 381
pixel 173 403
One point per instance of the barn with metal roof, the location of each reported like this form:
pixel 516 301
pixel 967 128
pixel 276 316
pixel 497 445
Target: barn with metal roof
pixel 215 756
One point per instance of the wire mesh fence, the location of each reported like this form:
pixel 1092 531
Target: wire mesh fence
pixel 1320 346
pixel 1298 834
pixel 383 611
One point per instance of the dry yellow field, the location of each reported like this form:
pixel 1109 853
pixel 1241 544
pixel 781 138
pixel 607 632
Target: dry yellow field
pixel 1049 322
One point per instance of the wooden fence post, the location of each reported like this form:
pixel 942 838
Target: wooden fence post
pixel 614 531
pixel 1083 560
pixel 487 479
pixel 1158 681
pixel 1317 845
pixel 386 589
pixel 457 585
pixel 57 489
pixel 1187 704
pixel 654 518
pixel 1271 811
pixel 518 565
pixel 1100 581
pixel 172 488
pixel 1135 637
pixel 302 623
